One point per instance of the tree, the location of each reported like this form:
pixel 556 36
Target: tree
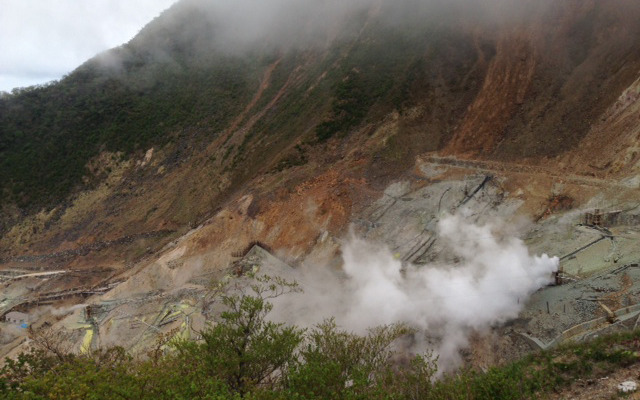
pixel 338 364
pixel 244 349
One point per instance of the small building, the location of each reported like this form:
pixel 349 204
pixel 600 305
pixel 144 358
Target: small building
pixel 608 218
pixel 18 318
pixel 593 218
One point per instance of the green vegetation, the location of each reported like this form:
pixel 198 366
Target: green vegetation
pixel 244 355
pixel 369 73
pixel 50 133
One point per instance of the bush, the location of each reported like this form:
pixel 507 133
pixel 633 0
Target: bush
pixel 244 350
pixel 244 355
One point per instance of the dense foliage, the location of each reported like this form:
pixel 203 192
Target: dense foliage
pixel 247 356
pixel 49 133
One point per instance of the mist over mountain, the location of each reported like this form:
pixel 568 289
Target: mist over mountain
pixel 512 78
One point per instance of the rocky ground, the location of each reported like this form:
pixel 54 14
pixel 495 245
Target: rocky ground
pixel 171 291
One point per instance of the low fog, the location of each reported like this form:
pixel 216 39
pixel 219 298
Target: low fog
pixel 489 285
pixel 236 26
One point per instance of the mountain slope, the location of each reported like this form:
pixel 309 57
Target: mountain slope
pixel 533 88
pixel 526 86
pixel 149 166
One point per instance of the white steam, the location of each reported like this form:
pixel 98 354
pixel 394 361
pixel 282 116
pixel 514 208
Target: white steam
pixel 446 303
pixel 239 25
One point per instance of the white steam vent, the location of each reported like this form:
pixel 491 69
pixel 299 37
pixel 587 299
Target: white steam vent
pixel 489 283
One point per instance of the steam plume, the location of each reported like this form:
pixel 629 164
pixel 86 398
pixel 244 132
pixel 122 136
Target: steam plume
pixel 488 286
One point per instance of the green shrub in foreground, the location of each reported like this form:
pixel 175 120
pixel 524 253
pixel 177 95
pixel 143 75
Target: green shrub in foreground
pixel 247 356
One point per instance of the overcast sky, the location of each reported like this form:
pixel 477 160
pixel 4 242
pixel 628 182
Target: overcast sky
pixel 42 40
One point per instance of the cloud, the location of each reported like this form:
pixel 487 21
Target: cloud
pixel 42 40
pixel 240 25
pixel 489 284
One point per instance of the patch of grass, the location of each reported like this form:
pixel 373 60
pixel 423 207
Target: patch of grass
pixel 550 371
